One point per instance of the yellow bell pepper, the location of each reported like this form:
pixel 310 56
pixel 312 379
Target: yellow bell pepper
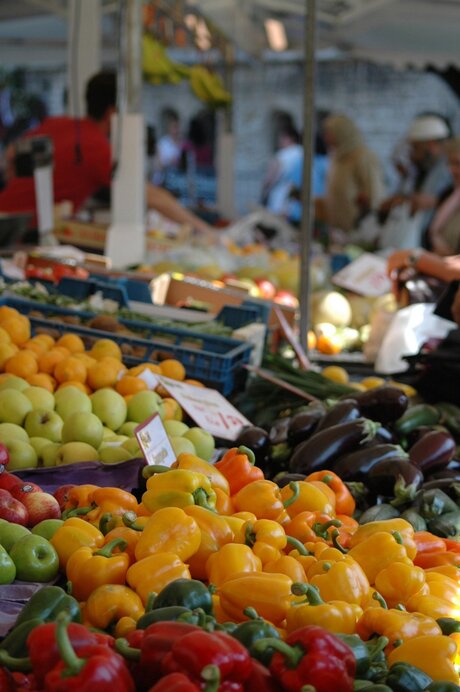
pixel 377 551
pixel 109 603
pixel 400 526
pixel 169 530
pixel 238 526
pixel 124 626
pixel 73 534
pixel 395 624
pixel 374 599
pixel 301 496
pixel 266 538
pixel 269 594
pixel 263 498
pixel 434 606
pixel 231 559
pixel 443 587
pixel 343 580
pixel 451 571
pixel 400 581
pixel 335 616
pixel 153 573
pixel 215 532
pixel 130 536
pixel 434 655
pixel 288 565
pixel 191 462
pixel 87 569
pixel 178 488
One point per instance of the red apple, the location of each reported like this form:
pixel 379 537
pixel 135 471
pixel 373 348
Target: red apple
pixel 286 298
pixel 266 288
pixel 41 506
pixel 21 489
pixel 8 480
pixel 4 455
pixel 12 510
pixel 62 495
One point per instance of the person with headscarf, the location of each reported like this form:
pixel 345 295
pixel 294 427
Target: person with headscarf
pixel 355 182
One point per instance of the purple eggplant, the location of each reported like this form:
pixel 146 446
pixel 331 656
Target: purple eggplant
pixel 383 477
pixel 344 411
pixel 384 404
pixel 282 479
pixel 384 435
pixel 303 424
pixel 442 481
pixel 256 439
pixel 322 449
pixel 433 451
pixel 356 465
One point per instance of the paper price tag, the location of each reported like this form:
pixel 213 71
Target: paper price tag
pixel 208 408
pixel 367 276
pixel 154 442
pixel 150 379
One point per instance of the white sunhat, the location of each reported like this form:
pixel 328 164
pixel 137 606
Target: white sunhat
pixel 426 128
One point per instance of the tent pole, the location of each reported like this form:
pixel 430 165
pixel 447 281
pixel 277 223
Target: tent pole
pixel 306 223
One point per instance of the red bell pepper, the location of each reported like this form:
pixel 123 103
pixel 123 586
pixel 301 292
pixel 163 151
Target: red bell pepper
pixel 175 682
pixel 237 465
pixel 145 649
pixel 7 682
pixel 311 656
pixel 260 679
pixel 215 657
pixel 99 667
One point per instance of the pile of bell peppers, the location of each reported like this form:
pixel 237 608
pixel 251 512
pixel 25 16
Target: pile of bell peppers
pixel 220 580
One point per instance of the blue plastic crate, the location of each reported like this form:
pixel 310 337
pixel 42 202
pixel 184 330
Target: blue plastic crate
pixel 217 361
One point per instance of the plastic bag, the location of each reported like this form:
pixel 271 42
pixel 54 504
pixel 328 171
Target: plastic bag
pixel 402 230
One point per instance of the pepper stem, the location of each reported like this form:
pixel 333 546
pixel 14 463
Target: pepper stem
pixel 249 535
pixel 211 676
pixel 299 589
pixel 294 486
pixel 106 523
pixel 336 543
pixel 127 651
pixel 293 655
pixel 78 511
pixel 129 520
pixel 313 596
pixel 379 598
pixel 150 601
pixel 321 528
pixel 298 545
pixel 252 613
pixel 376 648
pixel 22 665
pixel 242 449
pixel 74 664
pixel 201 499
pixel 107 550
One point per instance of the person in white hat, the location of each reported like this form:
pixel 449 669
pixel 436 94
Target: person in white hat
pixel 429 175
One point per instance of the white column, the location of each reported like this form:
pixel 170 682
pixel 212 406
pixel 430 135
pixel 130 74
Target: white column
pixel 84 50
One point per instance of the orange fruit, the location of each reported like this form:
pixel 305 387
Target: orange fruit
pixel 46 339
pixel 104 348
pixel 194 383
pixel 130 385
pixel 73 383
pixel 48 361
pixel 6 312
pixel 4 336
pixel 153 367
pixel 329 345
pixel 72 342
pixel 311 340
pixel 85 358
pixel 41 379
pixel 22 364
pixel 104 373
pixel 173 369
pixel 18 327
pixel 127 397
pixel 70 368
pixel 37 347
pixel 7 351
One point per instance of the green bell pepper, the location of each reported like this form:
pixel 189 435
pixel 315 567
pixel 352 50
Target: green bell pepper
pixel 440 686
pixel 188 593
pixel 15 641
pixel 7 567
pixel 168 613
pixel 47 603
pixel 252 630
pixel 448 625
pixel 403 677
pixel 369 656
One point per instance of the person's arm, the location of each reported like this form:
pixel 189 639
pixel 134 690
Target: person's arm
pixel 444 268
pixel 165 203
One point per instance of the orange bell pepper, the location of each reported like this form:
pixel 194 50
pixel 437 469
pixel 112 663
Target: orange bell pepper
pixel 451 545
pixel 344 500
pixel 427 542
pixel 110 500
pixel 129 535
pixel 298 527
pixel 224 504
pixel 300 496
pixel 78 497
pixel 238 467
pixel 436 559
pixel 232 558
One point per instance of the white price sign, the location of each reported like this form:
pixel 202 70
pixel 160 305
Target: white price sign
pixel 367 276
pixel 208 408
pixel 154 442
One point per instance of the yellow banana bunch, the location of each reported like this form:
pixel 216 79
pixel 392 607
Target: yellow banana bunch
pixel 157 66
pixel 208 87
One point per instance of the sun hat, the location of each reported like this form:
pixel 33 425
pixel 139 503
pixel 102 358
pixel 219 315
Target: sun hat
pixel 428 127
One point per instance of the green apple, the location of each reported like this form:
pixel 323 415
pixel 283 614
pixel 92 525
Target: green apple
pixel 22 455
pixel 109 407
pixel 106 433
pixel 69 400
pixel 175 428
pixel 39 444
pixel 40 398
pixel 12 432
pixel 127 428
pixel 133 448
pixel 14 406
pixel 10 533
pixel 181 446
pixel 113 455
pixel 47 528
pixel 7 567
pixel 48 454
pixel 14 382
pixel 143 405
pixel 202 441
pixel 35 559
pixel 83 427
pixel 73 452
pixel 113 441
pixel 44 423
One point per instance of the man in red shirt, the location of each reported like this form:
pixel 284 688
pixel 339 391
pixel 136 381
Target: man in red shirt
pixel 83 159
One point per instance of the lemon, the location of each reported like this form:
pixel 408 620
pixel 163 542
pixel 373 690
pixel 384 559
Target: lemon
pixel 336 374
pixel 372 382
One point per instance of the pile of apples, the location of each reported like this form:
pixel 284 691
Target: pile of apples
pixel 40 428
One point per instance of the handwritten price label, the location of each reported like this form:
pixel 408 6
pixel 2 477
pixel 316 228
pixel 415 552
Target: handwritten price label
pixel 154 442
pixel 367 276
pixel 208 408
